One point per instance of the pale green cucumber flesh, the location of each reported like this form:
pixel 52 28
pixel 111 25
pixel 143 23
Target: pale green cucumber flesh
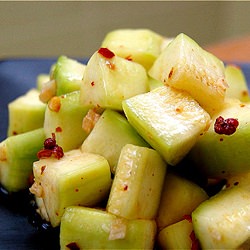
pixel 111 132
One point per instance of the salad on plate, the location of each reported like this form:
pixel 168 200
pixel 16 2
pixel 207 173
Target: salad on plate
pixel 144 146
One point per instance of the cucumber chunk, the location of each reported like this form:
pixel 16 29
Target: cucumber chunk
pixel 179 198
pixel 109 81
pixel 139 45
pixel 177 236
pixel 237 83
pixel 222 222
pixel 219 155
pixel 111 132
pixel 88 228
pixel 183 64
pixel 76 179
pixel 138 183
pixel 170 120
pixel 63 117
pixel 17 154
pixel 26 113
pixel 68 74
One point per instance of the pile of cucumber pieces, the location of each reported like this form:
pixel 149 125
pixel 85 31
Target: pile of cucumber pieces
pixel 141 108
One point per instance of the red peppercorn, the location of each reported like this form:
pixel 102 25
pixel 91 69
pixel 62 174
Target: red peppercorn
pixel 49 143
pixel 50 149
pixel 57 152
pixel 225 126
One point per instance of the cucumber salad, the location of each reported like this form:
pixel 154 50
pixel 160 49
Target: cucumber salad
pixel 143 147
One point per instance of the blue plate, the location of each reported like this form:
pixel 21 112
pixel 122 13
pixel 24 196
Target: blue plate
pixel 16 77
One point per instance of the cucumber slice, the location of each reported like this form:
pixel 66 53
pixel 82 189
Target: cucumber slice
pixel 222 222
pixel 183 64
pixel 170 120
pixel 237 83
pixel 63 117
pixel 179 198
pixel 110 79
pixel 17 154
pixel 220 155
pixel 68 74
pixel 111 132
pixel 26 113
pixel 88 228
pixel 139 45
pixel 138 183
pixel 76 179
pixel 176 236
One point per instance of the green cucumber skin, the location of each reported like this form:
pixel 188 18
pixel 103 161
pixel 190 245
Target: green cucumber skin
pixel 69 120
pixel 68 74
pixel 90 229
pixel 21 153
pixel 220 156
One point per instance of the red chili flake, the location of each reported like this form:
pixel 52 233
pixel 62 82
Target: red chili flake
pixel 77 190
pixel 44 153
pixel 171 73
pixel 187 217
pixel 58 129
pixel 106 53
pixel 14 133
pixel 195 243
pixel 225 126
pixel 42 169
pixel 125 188
pixel 73 246
pixel 92 83
pixel 129 58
